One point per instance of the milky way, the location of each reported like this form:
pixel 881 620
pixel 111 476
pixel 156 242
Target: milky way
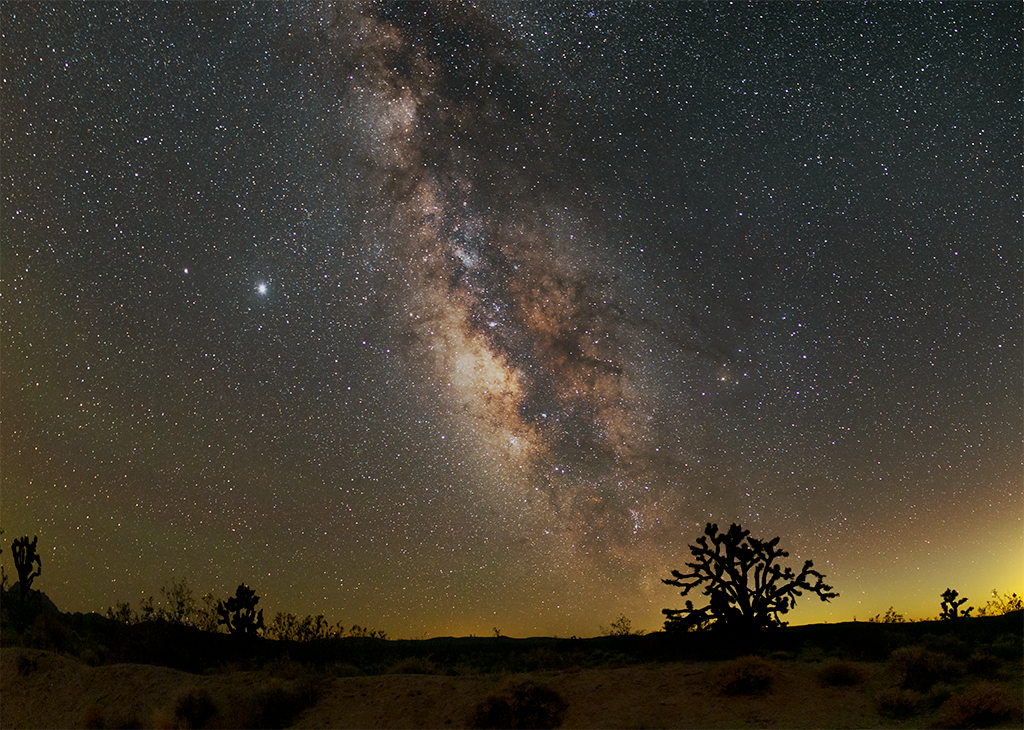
pixel 500 293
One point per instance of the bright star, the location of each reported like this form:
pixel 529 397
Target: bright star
pixel 261 288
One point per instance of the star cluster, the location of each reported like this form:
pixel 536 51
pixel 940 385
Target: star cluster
pixel 444 317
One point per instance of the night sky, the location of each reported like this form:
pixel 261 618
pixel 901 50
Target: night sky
pixel 445 318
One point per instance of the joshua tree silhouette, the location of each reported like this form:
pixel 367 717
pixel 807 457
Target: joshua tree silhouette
pixel 951 606
pixel 745 587
pixel 24 557
pixel 239 613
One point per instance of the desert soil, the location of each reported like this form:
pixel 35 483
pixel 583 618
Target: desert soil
pixel 47 690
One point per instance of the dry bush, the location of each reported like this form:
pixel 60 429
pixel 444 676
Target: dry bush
pixel 982 705
pixel 523 704
pixel 839 673
pixel 193 709
pixel 748 675
pixel 898 703
pixel 917 668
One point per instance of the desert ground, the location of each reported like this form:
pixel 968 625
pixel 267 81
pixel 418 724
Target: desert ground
pixel 48 689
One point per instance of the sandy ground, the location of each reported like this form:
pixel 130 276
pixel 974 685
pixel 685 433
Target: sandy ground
pixel 665 695
pixel 47 690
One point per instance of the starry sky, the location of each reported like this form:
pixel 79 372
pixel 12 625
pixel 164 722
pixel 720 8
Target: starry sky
pixel 441 318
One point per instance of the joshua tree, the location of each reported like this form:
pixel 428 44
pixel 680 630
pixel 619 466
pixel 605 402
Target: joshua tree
pixel 24 557
pixel 745 587
pixel 239 613
pixel 951 606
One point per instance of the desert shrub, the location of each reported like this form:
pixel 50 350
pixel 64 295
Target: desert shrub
pixel 193 708
pixel 523 704
pixel 621 626
pixel 288 626
pixel 983 664
pixel 980 706
pixel 917 668
pixel 748 675
pixel 897 703
pixel 91 717
pixel 839 673
pixel 362 631
pixel 999 605
pixel 890 617
pixel 122 613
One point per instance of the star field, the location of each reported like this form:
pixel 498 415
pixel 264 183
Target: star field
pixel 443 317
